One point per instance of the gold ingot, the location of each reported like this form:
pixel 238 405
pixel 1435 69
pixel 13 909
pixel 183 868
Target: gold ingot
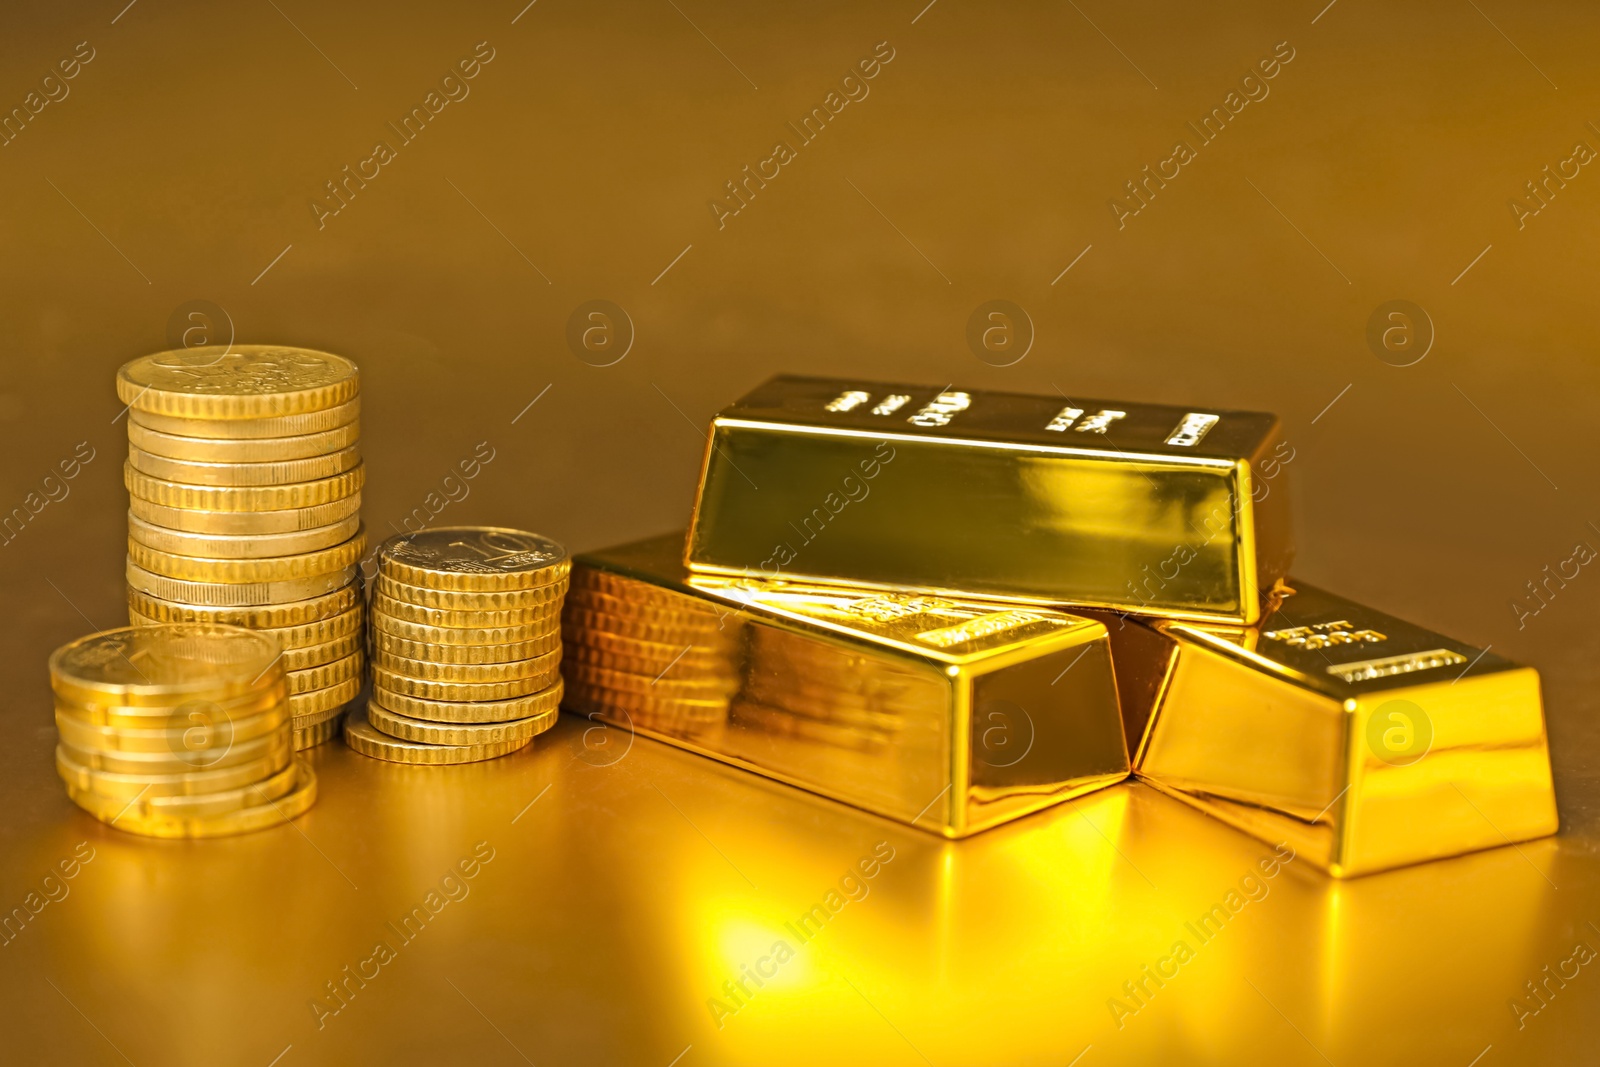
pixel 248 571
pixel 433 689
pixel 158 714
pixel 435 652
pixel 387 626
pixel 436 733
pixel 312 679
pixel 263 618
pixel 470 601
pixel 474 558
pixel 268 812
pixel 230 474
pixel 237 595
pixel 472 673
pixel 234 546
pixel 360 735
pixel 193 734
pixel 130 787
pixel 250 498
pixel 237 381
pixel 469 619
pixel 1032 499
pixel 197 449
pixel 715 648
pixel 1003 710
pixel 180 760
pixel 246 523
pixel 482 711
pixel 318 733
pixel 269 427
pixel 142 666
pixel 307 709
pixel 1363 741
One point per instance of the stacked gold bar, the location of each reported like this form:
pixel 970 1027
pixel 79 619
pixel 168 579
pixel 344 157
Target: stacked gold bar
pixel 665 661
pixel 244 474
pixel 466 645
pixel 946 713
pixel 178 731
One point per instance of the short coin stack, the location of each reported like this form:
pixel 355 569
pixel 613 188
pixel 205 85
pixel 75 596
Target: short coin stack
pixel 466 645
pixel 668 661
pixel 178 731
pixel 244 472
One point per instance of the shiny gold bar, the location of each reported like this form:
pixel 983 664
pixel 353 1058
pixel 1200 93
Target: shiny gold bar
pixel 942 713
pixel 1035 499
pixel 1363 741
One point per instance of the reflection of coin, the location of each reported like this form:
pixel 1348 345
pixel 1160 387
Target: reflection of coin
pixel 643 626
pixel 241 449
pixel 481 733
pixel 360 735
pixel 455 711
pixel 231 473
pixel 646 710
pixel 481 558
pixel 248 381
pixel 277 426
pixel 690 688
pixel 683 666
pixel 162 665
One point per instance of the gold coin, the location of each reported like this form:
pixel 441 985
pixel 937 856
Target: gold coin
pixel 309 656
pixel 160 714
pixel 530 706
pixel 360 735
pixel 477 601
pixel 242 450
pixel 469 673
pixel 436 733
pixel 243 497
pixel 267 812
pixel 141 666
pixel 545 614
pixel 187 734
pixel 308 708
pixel 687 665
pixel 231 475
pixel 188 783
pixel 432 652
pixel 474 558
pixel 237 595
pixel 689 688
pixel 316 734
pixel 392 629
pixel 235 546
pixel 441 690
pixel 688 615
pixel 266 618
pixel 237 381
pixel 276 426
pixel 246 571
pixel 246 523
pixel 648 710
pixel 218 803
pixel 181 761
pixel 326 676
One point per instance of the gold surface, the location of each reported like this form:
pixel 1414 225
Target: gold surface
pixel 1362 740
pixel 995 712
pixel 896 486
pixel 615 906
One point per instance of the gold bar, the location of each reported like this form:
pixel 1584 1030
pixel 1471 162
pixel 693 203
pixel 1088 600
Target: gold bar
pixel 942 713
pixel 1035 499
pixel 1364 741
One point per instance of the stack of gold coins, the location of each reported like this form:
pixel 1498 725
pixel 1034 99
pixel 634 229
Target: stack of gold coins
pixel 665 661
pixel 244 472
pixel 178 730
pixel 466 645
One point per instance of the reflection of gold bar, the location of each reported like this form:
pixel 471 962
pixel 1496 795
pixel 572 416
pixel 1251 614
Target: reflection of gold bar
pixel 943 713
pixel 1364 741
pixel 1036 499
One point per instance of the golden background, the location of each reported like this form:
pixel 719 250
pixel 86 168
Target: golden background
pixel 181 165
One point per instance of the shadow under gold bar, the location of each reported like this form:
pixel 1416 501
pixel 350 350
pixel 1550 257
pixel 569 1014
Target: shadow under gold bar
pixel 1037 499
pixel 946 714
pixel 1363 741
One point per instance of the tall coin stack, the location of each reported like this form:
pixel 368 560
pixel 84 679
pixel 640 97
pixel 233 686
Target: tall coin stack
pixel 466 645
pixel 244 471
pixel 666 660
pixel 178 731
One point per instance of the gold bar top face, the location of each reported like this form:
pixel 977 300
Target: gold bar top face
pixel 1365 741
pixel 946 714
pixel 1038 499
